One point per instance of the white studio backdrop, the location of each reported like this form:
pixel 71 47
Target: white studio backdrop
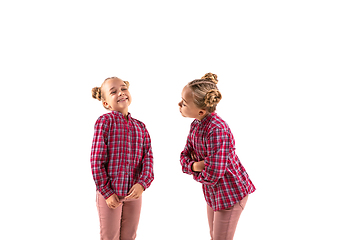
pixel 289 75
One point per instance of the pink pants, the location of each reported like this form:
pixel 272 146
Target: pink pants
pixel 120 223
pixel 223 223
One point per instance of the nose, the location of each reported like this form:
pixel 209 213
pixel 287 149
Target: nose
pixel 180 104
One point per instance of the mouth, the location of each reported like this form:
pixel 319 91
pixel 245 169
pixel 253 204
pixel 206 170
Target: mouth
pixel 122 100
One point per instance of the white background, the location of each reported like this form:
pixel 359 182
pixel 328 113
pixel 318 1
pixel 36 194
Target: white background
pixel 289 75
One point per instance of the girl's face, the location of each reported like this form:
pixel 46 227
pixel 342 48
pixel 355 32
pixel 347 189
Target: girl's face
pixel 188 107
pixel 117 95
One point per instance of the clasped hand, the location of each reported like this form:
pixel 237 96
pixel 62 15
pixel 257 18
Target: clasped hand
pixel 135 192
pixel 197 166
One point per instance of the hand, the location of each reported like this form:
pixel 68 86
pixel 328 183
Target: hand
pixel 135 191
pixel 193 156
pixel 113 201
pixel 198 166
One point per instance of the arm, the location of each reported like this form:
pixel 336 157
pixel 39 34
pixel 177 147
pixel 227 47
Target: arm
pixel 99 158
pixel 186 159
pixel 218 150
pixel 147 173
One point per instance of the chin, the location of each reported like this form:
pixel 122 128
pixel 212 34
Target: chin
pixel 124 104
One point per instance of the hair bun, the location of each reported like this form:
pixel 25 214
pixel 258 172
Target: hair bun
pixel 212 98
pixel 96 93
pixel 211 77
pixel 127 83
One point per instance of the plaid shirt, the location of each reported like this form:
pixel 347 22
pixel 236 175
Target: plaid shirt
pixel 121 154
pixel 224 179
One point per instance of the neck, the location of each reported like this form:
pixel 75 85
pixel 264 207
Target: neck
pixel 203 116
pixel 125 113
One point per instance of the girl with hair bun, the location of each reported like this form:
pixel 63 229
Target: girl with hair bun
pixel 121 162
pixel 209 156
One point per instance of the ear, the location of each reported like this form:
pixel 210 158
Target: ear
pixel 202 112
pixel 106 105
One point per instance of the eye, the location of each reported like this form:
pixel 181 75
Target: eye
pixel 113 92
pixel 123 89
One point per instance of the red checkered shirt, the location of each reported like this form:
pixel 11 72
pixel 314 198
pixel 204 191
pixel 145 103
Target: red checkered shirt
pixel 121 154
pixel 224 179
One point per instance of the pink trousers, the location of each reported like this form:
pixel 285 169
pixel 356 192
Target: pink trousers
pixel 120 223
pixel 223 223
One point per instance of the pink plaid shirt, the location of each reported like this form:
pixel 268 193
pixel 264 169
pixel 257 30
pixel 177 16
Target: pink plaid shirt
pixel 121 154
pixel 224 179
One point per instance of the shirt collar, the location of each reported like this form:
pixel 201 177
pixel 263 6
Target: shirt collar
pixel 121 115
pixel 207 119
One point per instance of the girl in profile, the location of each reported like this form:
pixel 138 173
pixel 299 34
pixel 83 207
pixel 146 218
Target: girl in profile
pixel 209 156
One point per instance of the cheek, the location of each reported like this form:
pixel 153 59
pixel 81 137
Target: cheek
pixel 130 99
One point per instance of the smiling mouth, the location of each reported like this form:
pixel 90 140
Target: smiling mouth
pixel 122 100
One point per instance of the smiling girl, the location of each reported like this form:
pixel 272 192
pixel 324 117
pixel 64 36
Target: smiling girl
pixel 121 162
pixel 209 156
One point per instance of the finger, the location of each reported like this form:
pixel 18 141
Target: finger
pixel 138 194
pixel 131 190
pixel 135 194
pixel 130 195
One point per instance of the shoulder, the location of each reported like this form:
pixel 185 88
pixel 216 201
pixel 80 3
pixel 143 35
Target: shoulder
pixel 219 129
pixel 138 123
pixel 194 124
pixel 217 124
pixel 106 118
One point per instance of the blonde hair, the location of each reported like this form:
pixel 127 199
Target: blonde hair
pixel 205 92
pixel 96 92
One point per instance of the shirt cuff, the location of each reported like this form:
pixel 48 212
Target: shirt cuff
pixel 191 171
pixel 144 184
pixel 106 192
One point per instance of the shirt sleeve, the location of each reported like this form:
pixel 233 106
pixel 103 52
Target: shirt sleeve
pixel 147 173
pixel 218 150
pixel 99 158
pixel 185 157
